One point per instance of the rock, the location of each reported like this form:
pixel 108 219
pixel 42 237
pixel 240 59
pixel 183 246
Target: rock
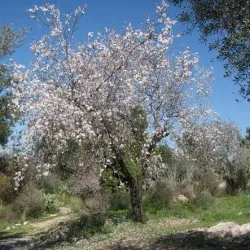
pixel 230 229
pixel 181 198
pixel 235 232
pixel 79 242
pixel 18 225
pixel 64 210
pixel 221 189
pixel 225 229
pixel 222 185
pixel 245 230
pixel 25 223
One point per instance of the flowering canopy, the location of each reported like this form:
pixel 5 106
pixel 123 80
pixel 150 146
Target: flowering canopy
pixel 215 145
pixel 90 91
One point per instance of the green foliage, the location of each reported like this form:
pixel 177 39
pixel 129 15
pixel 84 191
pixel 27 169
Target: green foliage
pixel 9 165
pixel 87 226
pixel 246 139
pixel 226 23
pixel 9 40
pixel 92 224
pixel 203 200
pixel 76 204
pixel 55 197
pixel 52 184
pixel 108 180
pixel 51 203
pixel 30 202
pixel 132 151
pixel 166 153
pixel 120 200
pixel 163 192
pixel 7 192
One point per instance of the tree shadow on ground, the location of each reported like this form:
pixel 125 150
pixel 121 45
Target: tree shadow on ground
pixel 122 246
pixel 198 240
pixel 13 241
pixel 5 235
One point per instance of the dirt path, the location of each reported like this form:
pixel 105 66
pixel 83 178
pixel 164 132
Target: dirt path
pixel 19 241
pixel 44 226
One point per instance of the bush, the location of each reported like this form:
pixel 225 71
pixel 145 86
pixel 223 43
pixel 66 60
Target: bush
pixel 87 226
pixel 163 191
pixel 188 190
pixel 76 204
pixel 7 192
pixel 7 216
pixel 30 202
pixel 51 203
pixel 97 202
pixel 51 183
pixel 92 224
pixel 120 200
pixel 220 190
pixel 204 199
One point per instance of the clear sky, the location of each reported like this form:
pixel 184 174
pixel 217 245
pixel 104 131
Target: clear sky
pixel 117 14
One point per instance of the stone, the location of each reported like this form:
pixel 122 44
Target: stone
pixel 181 198
pixel 64 210
pixel 245 229
pixel 225 229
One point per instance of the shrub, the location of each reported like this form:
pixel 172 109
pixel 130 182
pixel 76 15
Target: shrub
pixel 76 203
pixel 97 202
pixel 204 199
pixel 92 224
pixel 7 216
pixel 3 211
pixel 86 227
pixel 51 203
pixel 163 191
pixel 120 200
pixel 51 183
pixel 187 189
pixel 7 192
pixel 30 202
pixel 221 189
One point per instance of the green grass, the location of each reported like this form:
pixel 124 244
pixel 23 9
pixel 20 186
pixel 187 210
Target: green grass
pixel 166 220
pixel 234 208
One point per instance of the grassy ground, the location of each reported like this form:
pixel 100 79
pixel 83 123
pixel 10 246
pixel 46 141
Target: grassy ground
pixel 122 233
pixel 162 231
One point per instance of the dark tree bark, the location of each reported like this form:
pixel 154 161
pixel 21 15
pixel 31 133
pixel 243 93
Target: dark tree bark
pixel 135 187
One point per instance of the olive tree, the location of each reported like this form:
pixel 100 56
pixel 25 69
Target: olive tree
pixel 225 24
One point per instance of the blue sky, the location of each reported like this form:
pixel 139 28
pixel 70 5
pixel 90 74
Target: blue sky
pixel 117 14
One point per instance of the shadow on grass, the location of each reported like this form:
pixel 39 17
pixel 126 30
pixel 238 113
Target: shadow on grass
pixel 6 235
pixel 120 246
pixel 70 232
pixel 13 241
pixel 197 240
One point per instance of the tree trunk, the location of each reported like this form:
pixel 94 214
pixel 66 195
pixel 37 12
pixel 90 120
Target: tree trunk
pixel 135 186
pixel 231 186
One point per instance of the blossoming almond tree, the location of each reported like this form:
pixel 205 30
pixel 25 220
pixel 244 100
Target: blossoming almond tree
pixel 217 146
pixel 123 93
